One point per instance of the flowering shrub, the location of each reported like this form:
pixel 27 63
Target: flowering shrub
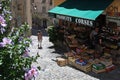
pixel 15 61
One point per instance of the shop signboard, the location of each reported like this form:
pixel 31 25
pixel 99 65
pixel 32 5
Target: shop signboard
pixel 84 21
pixel 76 20
pixel 66 18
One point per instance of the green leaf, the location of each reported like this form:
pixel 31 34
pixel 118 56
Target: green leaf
pixel 0 62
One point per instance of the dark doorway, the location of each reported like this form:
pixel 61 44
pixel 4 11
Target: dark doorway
pixel 101 20
pixel 45 23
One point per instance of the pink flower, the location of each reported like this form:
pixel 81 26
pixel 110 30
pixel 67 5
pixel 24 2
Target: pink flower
pixel 2 44
pixel 2 21
pixel 33 72
pixel 2 24
pixel 26 76
pixel 5 42
pixel 26 53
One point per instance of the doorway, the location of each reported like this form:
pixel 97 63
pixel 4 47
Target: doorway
pixel 44 23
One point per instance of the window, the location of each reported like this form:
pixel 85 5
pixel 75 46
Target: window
pixel 44 9
pixel 50 2
pixel 19 6
pixel 32 1
pixel 43 1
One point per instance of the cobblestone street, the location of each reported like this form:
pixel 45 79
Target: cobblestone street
pixel 51 71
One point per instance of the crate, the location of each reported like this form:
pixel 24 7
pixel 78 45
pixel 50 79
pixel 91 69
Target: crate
pixel 98 71
pixel 68 54
pixel 62 62
pixel 90 51
pixel 107 63
pixel 86 68
pixel 110 68
pixel 94 61
pixel 72 45
pixel 71 36
pixel 98 66
pixel 71 60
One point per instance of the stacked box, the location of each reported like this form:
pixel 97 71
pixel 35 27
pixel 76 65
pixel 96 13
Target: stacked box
pixel 62 62
pixel 98 71
pixel 71 36
pixel 73 45
pixel 110 68
pixel 71 60
pixel 94 61
pixel 68 54
pixel 98 66
pixel 106 63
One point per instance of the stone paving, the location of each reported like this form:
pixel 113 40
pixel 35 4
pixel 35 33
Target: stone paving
pixel 49 68
pixel 51 71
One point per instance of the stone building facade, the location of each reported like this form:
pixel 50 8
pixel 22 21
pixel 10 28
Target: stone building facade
pixel 21 12
pixel 41 8
pixel 113 12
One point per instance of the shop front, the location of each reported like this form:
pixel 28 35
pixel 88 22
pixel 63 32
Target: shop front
pixel 78 18
pixel 82 9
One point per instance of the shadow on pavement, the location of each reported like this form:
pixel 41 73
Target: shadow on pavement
pixel 59 49
pixel 112 75
pixel 51 47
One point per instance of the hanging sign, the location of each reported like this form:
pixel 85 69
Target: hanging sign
pixel 76 20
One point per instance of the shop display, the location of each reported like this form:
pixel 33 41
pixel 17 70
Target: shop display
pixel 111 37
pixel 85 58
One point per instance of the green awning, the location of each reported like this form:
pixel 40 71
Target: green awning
pixel 87 9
